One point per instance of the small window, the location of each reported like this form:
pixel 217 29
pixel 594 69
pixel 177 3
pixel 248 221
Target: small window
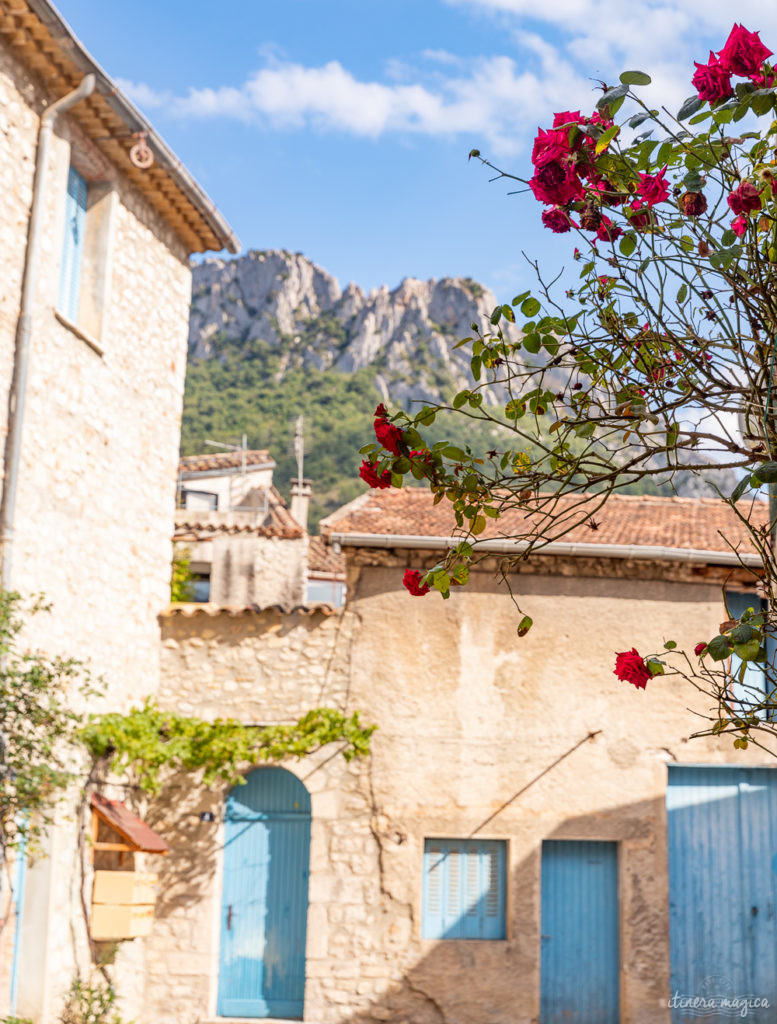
pixel 464 889
pixel 200 587
pixel 73 247
pixel 330 592
pixel 202 501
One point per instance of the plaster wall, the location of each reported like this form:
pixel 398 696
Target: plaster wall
pixel 480 732
pixel 98 467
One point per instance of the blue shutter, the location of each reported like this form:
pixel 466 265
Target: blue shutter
pixel 753 686
pixel 464 889
pixel 579 963
pixel 73 248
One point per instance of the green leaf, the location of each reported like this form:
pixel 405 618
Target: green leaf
pixel 525 625
pixel 766 473
pixel 655 668
pixel 460 399
pixel 454 453
pixel 367 449
pixel 478 525
pixel 508 314
pixel 682 294
pixel 550 344
pixel 606 138
pixel 475 365
pixel 670 645
pixel 628 244
pixel 639 119
pixel 532 343
pixel 740 489
pixel 530 307
pixel 441 581
pixel 690 106
pixel 748 651
pixel 519 298
pixel 496 315
pixel 635 78
pixel 728 238
pixel 719 648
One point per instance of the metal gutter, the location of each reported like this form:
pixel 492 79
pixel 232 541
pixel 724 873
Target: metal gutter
pixel 506 545
pixel 135 121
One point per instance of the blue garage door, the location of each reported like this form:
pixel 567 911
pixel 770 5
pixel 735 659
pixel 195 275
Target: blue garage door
pixel 722 835
pixel 265 897
pixel 579 961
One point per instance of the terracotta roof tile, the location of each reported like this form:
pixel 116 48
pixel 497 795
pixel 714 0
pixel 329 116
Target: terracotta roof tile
pixel 189 609
pixel 131 828
pixel 197 524
pixel 323 562
pixel 624 520
pixel 220 461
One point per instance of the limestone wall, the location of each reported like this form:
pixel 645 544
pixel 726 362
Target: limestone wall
pixel 479 733
pixel 99 460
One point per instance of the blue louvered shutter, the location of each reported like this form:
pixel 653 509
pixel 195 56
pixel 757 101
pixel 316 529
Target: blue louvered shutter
pixel 464 889
pixel 753 686
pixel 73 247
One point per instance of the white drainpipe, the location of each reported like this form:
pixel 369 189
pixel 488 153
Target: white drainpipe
pixel 17 394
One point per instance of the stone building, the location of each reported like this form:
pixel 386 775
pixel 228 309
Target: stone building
pixel 99 220
pixel 528 833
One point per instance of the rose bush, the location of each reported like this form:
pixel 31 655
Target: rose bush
pixel 633 372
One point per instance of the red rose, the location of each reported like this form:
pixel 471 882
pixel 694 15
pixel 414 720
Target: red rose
pixel 739 225
pixel 711 81
pixel 764 80
pixel 693 204
pixel 568 117
pixel 608 231
pixel 549 147
pixel 387 434
pixel 556 184
pixel 412 583
pixel 743 52
pixel 638 214
pixel 654 188
pixel 370 476
pixel 631 668
pixel 556 220
pixel 745 198
pixel 699 649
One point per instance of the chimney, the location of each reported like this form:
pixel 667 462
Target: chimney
pixel 300 501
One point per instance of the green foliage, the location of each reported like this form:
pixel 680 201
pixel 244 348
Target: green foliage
pixel 90 1004
pixel 15 1020
pixel 181 580
pixel 151 744
pixel 38 723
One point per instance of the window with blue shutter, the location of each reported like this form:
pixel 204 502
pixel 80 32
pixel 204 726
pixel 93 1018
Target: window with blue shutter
pixel 752 687
pixel 464 888
pixel 73 247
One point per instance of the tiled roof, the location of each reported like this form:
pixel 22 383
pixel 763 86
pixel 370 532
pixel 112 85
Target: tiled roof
pixel 323 561
pixel 136 832
pixel 220 461
pixel 194 524
pixel 626 520
pixel 189 609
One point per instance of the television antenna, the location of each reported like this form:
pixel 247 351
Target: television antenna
pixel 242 447
pixel 299 448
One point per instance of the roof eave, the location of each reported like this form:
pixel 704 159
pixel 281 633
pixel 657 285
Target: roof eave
pixel 136 122
pixel 507 545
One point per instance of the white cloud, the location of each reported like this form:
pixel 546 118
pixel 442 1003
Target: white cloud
pixel 560 50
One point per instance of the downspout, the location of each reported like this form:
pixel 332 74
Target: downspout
pixel 17 394
pixel 16 401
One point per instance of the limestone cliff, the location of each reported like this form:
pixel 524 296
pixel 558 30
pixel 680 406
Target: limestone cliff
pixel 406 335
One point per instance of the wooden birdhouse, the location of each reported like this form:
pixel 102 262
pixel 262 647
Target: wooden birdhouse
pixel 122 900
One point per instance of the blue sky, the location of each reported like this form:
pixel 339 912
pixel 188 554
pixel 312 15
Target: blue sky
pixel 340 128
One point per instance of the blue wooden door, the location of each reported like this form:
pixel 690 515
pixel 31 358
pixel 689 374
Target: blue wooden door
pixel 265 897
pixel 722 840
pixel 579 968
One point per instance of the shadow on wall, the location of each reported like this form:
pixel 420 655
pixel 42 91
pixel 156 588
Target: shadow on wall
pixel 603 899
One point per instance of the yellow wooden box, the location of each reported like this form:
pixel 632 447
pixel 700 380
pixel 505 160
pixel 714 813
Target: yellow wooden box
pixel 132 887
pixel 121 921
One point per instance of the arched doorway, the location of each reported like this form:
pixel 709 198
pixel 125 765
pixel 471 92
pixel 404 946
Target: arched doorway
pixel 265 897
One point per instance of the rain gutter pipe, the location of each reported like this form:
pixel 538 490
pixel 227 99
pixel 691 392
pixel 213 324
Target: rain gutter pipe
pixel 511 547
pixel 17 394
